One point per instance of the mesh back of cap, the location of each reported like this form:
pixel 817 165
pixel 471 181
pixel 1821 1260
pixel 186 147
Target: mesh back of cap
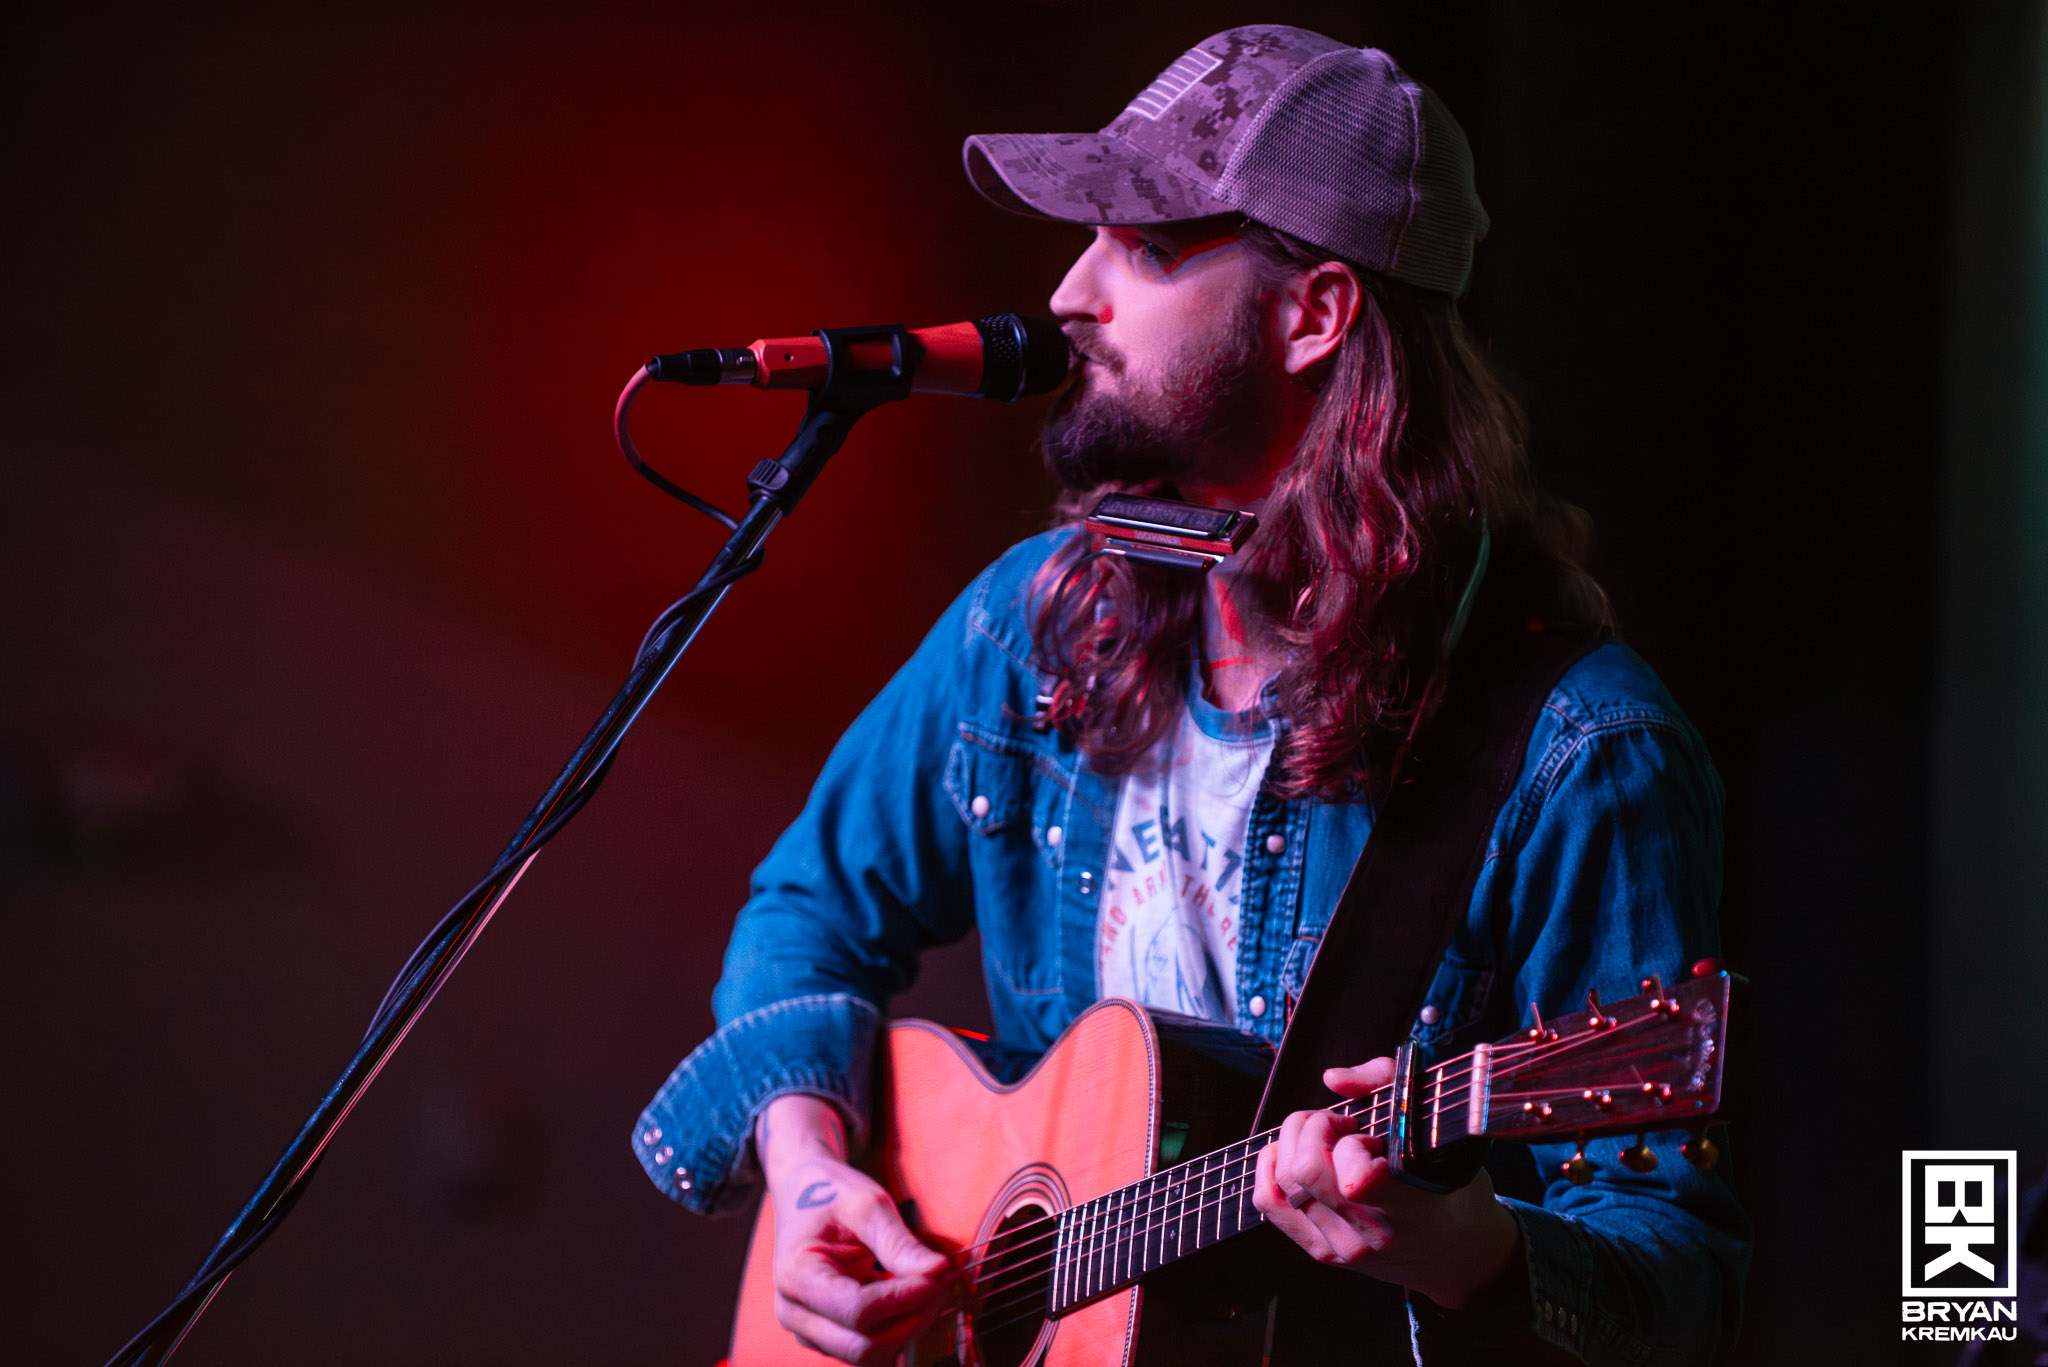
pixel 1356 158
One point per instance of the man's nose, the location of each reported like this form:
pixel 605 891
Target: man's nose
pixel 1079 295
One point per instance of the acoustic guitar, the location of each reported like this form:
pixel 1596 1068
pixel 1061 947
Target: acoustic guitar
pixel 1069 1197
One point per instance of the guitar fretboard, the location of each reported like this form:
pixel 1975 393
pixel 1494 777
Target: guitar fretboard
pixel 1649 1063
pixel 1104 1245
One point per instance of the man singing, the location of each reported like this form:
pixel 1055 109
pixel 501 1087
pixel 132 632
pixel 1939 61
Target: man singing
pixel 1143 782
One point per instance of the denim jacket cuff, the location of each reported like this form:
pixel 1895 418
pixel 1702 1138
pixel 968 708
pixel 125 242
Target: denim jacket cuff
pixel 694 1140
pixel 1560 1276
pixel 1539 1303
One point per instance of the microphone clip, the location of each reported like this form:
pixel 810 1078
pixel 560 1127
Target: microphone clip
pixel 849 391
pixel 856 388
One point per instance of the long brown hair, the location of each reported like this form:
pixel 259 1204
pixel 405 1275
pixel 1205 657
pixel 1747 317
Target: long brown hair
pixel 1364 546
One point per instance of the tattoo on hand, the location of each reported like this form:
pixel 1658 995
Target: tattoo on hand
pixel 816 1194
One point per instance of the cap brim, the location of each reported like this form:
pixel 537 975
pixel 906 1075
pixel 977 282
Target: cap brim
pixel 1081 178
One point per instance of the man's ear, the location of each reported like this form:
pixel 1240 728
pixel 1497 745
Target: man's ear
pixel 1316 308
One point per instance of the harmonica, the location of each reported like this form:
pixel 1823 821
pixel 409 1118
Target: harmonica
pixel 1164 532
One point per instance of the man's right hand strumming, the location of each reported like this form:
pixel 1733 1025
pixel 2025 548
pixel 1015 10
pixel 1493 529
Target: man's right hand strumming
pixel 851 1280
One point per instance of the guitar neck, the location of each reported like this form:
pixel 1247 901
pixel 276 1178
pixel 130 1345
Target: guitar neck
pixel 1104 1245
pixel 1652 1062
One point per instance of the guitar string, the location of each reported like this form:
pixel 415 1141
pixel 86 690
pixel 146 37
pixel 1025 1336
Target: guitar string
pixel 1517 1046
pixel 1350 1110
pixel 1233 1176
pixel 1120 1232
pixel 1370 1107
pixel 1098 1255
pixel 1370 1104
pixel 1542 1049
pixel 1033 1304
pixel 1092 1246
pixel 1122 1241
pixel 1037 1288
pixel 1519 1056
pixel 1159 1209
pixel 1199 1170
pixel 1090 1240
pixel 1111 1240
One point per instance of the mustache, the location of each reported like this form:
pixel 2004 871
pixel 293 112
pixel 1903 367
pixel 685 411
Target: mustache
pixel 1084 339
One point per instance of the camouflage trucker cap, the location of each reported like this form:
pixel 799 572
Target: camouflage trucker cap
pixel 1336 145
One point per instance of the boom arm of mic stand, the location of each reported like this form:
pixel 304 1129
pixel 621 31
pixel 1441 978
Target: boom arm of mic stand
pixel 776 487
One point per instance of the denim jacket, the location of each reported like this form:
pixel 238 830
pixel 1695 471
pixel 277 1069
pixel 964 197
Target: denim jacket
pixel 942 810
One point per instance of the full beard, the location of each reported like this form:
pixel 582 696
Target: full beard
pixel 1206 402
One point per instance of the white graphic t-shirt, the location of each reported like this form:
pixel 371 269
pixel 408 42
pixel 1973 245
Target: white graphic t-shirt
pixel 1167 931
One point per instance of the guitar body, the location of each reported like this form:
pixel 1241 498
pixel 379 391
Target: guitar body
pixel 967 1157
pixel 1118 1174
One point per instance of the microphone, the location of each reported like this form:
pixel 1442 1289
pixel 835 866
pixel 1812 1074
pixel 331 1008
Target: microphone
pixel 1007 357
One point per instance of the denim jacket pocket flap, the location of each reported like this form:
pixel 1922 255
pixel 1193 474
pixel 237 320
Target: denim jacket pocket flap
pixel 1294 972
pixel 991 790
pixel 1457 998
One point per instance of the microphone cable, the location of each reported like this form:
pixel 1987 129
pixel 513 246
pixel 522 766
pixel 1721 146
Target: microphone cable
pixel 176 1319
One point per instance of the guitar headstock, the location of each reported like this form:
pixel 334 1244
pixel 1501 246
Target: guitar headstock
pixel 1652 1062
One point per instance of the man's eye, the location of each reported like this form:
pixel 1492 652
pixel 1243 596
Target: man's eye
pixel 1152 254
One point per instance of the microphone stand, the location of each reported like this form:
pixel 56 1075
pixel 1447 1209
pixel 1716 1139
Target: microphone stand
pixel 774 486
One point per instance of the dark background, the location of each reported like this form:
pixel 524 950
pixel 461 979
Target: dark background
pixel 317 558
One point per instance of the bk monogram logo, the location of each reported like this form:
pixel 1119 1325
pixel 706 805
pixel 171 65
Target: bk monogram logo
pixel 1960 1210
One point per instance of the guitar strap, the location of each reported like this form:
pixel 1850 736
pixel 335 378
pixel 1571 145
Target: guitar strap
pixel 1414 879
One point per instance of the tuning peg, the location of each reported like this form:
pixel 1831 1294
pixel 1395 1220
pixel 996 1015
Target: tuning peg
pixel 1660 998
pixel 1639 1158
pixel 1599 1019
pixel 1578 1168
pixel 1700 1151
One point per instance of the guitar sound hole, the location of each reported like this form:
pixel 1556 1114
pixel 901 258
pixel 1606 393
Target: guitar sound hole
pixel 1013 1287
